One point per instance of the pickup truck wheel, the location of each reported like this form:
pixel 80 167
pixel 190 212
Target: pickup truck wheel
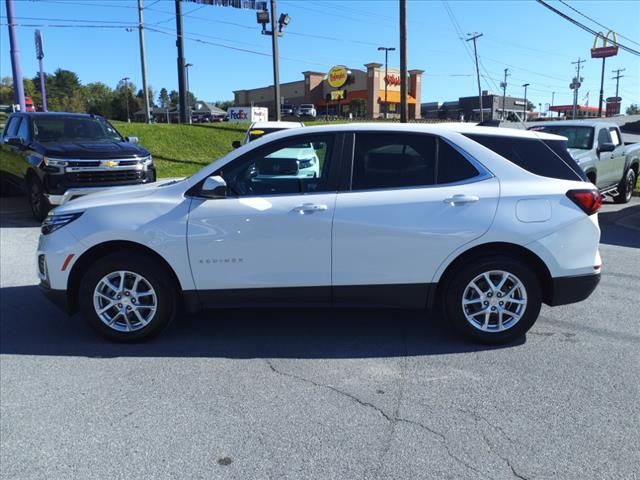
pixel 494 299
pixel 39 204
pixel 625 188
pixel 127 298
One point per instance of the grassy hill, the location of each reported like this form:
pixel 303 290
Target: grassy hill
pixel 180 150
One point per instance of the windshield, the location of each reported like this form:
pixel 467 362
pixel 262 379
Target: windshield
pixel 73 129
pixel 578 137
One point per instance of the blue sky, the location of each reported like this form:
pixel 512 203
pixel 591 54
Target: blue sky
pixel 535 44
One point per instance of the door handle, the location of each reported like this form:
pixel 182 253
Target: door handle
pixel 461 199
pixel 309 208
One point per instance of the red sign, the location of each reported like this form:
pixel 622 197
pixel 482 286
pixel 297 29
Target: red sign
pixel 613 108
pixel 604 52
pixel 392 79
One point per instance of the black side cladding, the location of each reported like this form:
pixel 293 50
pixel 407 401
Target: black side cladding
pixel 547 158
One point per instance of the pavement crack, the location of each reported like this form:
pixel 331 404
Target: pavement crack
pixel 329 387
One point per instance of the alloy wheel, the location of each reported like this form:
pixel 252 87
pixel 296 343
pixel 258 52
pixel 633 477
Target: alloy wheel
pixel 494 301
pixel 125 301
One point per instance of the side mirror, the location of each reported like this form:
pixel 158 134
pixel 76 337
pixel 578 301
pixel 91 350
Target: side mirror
pixel 214 187
pixel 14 141
pixel 133 140
pixel 236 144
pixel 606 147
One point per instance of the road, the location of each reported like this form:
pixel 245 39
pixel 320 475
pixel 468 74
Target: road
pixel 321 394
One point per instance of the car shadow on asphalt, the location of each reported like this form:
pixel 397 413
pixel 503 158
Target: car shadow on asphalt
pixel 621 227
pixel 30 325
pixel 15 212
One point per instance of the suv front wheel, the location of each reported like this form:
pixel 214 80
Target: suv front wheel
pixel 494 299
pixel 127 297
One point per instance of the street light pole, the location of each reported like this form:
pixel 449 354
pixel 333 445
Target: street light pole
pixel 276 67
pixel 143 63
pixel 524 109
pixel 126 87
pixel 386 62
pixel 474 36
pixel 186 69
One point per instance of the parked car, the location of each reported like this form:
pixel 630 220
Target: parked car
pixel 287 109
pixel 258 129
pixel 307 110
pixel 597 147
pixel 403 215
pixel 56 157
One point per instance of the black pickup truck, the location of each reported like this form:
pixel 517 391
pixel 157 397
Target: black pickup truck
pixel 56 157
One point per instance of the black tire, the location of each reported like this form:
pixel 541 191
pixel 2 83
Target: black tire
pixel 39 204
pixel 460 280
pixel 156 276
pixel 625 188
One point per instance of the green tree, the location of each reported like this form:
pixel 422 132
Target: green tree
pixel 150 95
pixel 633 109
pixel 530 106
pixel 174 98
pixel 163 98
pixel 99 99
pixel 122 97
pixel 224 104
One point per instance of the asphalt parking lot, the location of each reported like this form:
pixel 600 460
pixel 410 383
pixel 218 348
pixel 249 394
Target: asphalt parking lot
pixel 326 394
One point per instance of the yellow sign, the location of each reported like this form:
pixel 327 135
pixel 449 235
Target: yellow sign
pixel 337 95
pixel 337 76
pixel 605 51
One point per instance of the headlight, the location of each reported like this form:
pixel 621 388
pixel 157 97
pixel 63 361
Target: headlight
pixel 306 163
pixel 53 222
pixel 52 162
pixel 146 161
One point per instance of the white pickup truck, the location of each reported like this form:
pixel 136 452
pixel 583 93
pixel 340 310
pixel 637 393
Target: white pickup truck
pixel 598 148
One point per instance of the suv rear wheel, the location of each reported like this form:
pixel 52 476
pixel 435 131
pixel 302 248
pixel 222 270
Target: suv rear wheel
pixel 127 297
pixel 493 299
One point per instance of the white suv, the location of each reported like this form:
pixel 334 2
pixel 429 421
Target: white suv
pixel 488 223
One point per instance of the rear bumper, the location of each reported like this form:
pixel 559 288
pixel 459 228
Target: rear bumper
pixel 572 289
pixel 57 297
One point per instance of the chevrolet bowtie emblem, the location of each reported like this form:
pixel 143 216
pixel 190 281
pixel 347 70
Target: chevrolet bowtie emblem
pixel 109 163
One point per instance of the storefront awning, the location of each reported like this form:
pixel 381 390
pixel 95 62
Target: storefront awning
pixel 394 97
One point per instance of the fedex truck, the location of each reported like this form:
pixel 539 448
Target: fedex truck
pixel 248 114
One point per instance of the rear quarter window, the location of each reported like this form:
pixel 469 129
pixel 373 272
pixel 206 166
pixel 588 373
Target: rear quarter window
pixel 548 158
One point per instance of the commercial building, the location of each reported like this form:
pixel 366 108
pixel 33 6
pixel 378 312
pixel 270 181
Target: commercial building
pixel 494 107
pixel 343 91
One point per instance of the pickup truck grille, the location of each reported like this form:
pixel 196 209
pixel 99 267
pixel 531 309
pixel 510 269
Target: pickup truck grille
pixel 106 177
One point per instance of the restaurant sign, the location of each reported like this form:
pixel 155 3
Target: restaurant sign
pixel 337 76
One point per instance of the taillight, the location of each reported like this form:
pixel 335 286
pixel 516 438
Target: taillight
pixel 589 201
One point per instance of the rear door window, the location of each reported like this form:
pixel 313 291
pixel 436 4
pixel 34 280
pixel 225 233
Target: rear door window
pixel 406 160
pixel 615 137
pixel 548 158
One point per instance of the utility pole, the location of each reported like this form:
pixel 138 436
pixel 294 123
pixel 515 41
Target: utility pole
pixel 143 63
pixel 403 62
pixel 386 61
pixel 476 35
pixel 504 93
pixel 18 86
pixel 524 109
pixel 276 66
pixel 575 86
pixel 126 86
pixel 618 77
pixel 40 56
pixel 182 89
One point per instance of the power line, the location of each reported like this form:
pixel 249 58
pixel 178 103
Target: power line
pixel 597 23
pixel 584 27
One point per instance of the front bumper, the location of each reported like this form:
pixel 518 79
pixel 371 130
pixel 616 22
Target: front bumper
pixel 57 297
pixel 565 290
